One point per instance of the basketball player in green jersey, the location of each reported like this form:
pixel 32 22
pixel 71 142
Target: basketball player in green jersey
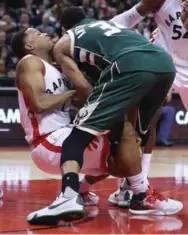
pixel 131 72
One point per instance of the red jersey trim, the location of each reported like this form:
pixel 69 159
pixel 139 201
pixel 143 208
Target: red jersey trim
pixel 43 141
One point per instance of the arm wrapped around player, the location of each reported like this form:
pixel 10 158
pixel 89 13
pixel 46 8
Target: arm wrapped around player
pixel 137 13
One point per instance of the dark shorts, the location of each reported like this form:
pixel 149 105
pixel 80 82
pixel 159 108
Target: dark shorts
pixel 118 93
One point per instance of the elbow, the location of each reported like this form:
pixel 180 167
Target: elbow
pixel 144 9
pixel 37 108
pixel 86 90
pixel 159 4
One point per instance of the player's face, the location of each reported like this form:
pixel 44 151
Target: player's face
pixel 35 40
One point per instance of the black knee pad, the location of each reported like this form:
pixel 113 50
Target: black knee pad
pixel 74 146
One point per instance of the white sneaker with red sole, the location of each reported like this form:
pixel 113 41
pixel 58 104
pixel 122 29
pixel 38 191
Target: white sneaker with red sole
pixel 153 203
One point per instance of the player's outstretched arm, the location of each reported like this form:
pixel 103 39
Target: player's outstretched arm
pixel 184 14
pixel 30 80
pixel 137 13
pixel 62 55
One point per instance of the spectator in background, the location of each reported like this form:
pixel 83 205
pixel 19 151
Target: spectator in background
pixel 2 9
pixel 89 12
pixel 10 64
pixel 140 28
pixel 24 21
pixel 46 27
pixel 10 24
pixel 3 53
pixel 37 19
pixel 29 6
pixel 3 26
pixel 165 123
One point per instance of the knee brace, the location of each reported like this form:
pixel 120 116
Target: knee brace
pixel 74 146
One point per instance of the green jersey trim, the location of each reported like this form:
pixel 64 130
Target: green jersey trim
pixel 72 39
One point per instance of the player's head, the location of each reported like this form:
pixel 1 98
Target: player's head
pixel 71 16
pixel 30 41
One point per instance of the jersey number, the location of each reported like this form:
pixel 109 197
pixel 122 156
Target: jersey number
pixel 177 32
pixel 110 30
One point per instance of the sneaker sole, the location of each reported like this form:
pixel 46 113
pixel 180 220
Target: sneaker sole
pixel 124 205
pixel 53 220
pixel 154 212
pixel 89 204
pixel 121 205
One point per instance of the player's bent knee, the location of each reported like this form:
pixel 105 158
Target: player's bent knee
pixel 128 131
pixel 114 170
pixel 129 148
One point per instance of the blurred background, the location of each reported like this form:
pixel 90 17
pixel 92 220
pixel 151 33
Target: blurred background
pixel 44 15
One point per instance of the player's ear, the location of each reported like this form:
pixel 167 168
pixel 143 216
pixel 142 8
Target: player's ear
pixel 29 47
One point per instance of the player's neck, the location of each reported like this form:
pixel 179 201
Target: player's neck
pixel 44 56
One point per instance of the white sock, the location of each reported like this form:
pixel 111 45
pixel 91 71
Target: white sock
pixel 138 183
pixel 84 186
pixel 146 160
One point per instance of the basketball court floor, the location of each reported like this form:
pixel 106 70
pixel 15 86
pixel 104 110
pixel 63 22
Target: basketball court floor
pixel 27 189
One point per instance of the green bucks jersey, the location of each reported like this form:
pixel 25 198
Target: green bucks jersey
pixel 101 43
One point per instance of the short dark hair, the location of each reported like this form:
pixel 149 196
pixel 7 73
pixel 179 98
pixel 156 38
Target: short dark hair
pixel 71 16
pixel 17 43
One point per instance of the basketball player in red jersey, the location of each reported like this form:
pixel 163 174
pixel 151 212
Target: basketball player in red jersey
pixel 172 36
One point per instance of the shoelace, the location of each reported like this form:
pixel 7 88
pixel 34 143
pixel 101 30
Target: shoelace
pixel 153 195
pixel 87 196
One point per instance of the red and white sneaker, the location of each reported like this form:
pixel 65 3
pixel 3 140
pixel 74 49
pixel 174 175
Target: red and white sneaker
pixel 90 198
pixel 153 203
pixel 121 198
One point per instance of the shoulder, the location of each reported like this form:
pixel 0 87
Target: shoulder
pixel 62 42
pixel 28 69
pixel 30 62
